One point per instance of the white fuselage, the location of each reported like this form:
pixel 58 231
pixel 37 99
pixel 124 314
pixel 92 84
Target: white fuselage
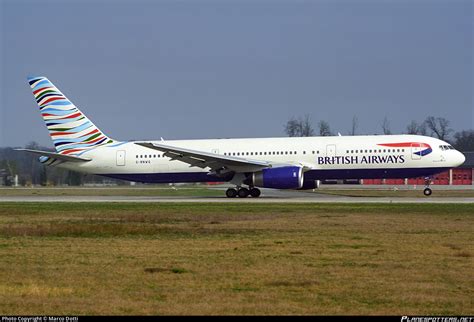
pixel 335 157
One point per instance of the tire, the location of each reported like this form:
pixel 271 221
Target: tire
pixel 427 192
pixel 254 192
pixel 231 193
pixel 243 192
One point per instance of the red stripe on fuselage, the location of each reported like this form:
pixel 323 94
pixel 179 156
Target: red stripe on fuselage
pixel 406 145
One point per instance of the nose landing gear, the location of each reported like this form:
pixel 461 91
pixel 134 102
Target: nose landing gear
pixel 427 191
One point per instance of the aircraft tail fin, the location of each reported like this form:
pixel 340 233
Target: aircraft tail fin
pixel 71 131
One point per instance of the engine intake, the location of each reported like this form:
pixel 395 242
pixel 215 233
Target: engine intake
pixel 278 178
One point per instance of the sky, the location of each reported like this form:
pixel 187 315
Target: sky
pixel 220 69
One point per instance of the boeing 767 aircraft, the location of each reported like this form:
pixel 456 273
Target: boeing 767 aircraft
pixel 279 163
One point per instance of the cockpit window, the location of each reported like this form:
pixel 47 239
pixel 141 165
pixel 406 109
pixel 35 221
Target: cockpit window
pixel 446 147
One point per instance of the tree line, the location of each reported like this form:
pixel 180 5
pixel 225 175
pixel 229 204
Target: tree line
pixel 437 127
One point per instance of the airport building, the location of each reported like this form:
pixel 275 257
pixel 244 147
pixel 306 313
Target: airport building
pixel 462 175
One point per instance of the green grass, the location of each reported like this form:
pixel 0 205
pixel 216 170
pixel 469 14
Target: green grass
pixel 172 258
pixel 113 191
pixel 203 191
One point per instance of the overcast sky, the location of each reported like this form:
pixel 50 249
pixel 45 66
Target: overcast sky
pixel 214 69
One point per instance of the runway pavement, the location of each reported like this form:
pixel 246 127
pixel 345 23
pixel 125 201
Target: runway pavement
pixel 268 196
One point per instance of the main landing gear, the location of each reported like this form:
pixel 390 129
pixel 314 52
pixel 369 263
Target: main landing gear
pixel 427 191
pixel 243 192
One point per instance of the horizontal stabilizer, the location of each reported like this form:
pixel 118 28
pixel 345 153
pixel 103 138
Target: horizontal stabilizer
pixel 62 157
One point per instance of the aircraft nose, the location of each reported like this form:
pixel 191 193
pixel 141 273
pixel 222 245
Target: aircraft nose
pixel 460 158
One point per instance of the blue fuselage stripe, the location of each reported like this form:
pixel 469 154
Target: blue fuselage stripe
pixel 182 177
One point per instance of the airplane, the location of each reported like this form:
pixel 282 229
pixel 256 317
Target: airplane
pixel 280 163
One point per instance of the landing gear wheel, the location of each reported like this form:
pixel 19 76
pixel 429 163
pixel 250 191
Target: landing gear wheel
pixel 427 192
pixel 243 192
pixel 254 192
pixel 231 193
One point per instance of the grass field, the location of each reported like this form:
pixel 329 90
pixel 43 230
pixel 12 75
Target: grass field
pixel 203 191
pixel 114 191
pixel 437 193
pixel 171 258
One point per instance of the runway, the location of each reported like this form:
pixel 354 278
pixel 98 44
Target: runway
pixel 268 196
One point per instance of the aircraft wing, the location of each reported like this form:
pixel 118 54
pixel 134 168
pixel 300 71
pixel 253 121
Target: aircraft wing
pixel 58 156
pixel 201 159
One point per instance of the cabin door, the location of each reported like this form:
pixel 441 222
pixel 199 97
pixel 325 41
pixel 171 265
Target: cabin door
pixel 121 158
pixel 416 151
pixel 331 150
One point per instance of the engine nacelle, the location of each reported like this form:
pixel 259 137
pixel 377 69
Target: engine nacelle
pixel 310 184
pixel 278 178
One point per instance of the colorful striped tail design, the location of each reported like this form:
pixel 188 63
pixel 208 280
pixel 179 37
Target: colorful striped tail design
pixel 71 131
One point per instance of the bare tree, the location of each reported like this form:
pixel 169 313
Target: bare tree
pixel 307 128
pixel 438 126
pixel 299 127
pixel 386 126
pixel 324 128
pixel 293 127
pixel 464 140
pixel 416 128
pixel 355 125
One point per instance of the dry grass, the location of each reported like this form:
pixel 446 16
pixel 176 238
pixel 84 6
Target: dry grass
pixel 236 259
pixel 415 193
pixel 150 191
